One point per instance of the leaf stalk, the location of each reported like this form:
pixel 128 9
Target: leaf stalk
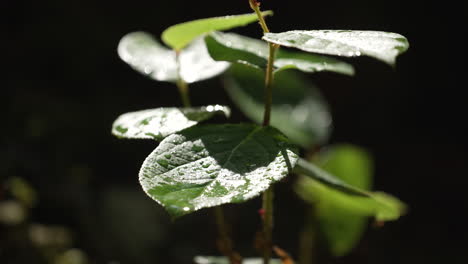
pixel 182 85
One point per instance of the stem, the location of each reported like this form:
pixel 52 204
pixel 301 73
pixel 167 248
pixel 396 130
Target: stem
pixel 307 243
pixel 267 203
pixel 255 5
pixel 269 84
pixel 225 244
pixel 182 85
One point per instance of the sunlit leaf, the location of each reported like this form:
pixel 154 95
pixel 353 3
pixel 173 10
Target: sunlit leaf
pixel 298 109
pixel 208 165
pixel 342 227
pixel 384 46
pixel 160 122
pixel 224 260
pixel 146 55
pixel 253 52
pixel 180 35
pixel 379 205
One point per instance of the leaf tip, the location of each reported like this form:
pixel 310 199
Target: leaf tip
pixel 268 13
pixel 176 212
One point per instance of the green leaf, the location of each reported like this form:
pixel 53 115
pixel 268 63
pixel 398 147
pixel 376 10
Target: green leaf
pixel 147 56
pixel 298 109
pixel 341 226
pixel 224 260
pixel 180 35
pixel 383 46
pixel 236 48
pixel 310 63
pixel 351 164
pixel 240 49
pixel 205 166
pixel 160 122
pixel 379 205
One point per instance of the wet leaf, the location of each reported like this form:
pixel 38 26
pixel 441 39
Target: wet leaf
pixel 240 49
pixel 383 46
pixel 180 35
pixel 298 109
pixel 160 122
pixel 224 260
pixel 342 227
pixel 209 165
pixel 147 56
pixel 376 204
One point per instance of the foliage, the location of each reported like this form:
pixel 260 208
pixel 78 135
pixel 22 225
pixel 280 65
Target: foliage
pixel 209 165
pixel 298 108
pixel 342 216
pixel 197 165
pixel 149 57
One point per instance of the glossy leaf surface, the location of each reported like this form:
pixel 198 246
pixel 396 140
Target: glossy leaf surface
pixel 240 49
pixel 147 56
pixel 383 46
pixel 379 205
pixel 224 260
pixel 160 122
pixel 180 35
pixel 209 165
pixel 298 109
pixel 342 227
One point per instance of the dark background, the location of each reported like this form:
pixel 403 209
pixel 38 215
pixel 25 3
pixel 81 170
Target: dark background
pixel 63 85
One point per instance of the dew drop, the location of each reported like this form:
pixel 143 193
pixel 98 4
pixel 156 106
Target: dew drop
pixel 147 70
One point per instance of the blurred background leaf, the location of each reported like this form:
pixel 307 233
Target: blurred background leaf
pixel 298 110
pixel 342 218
